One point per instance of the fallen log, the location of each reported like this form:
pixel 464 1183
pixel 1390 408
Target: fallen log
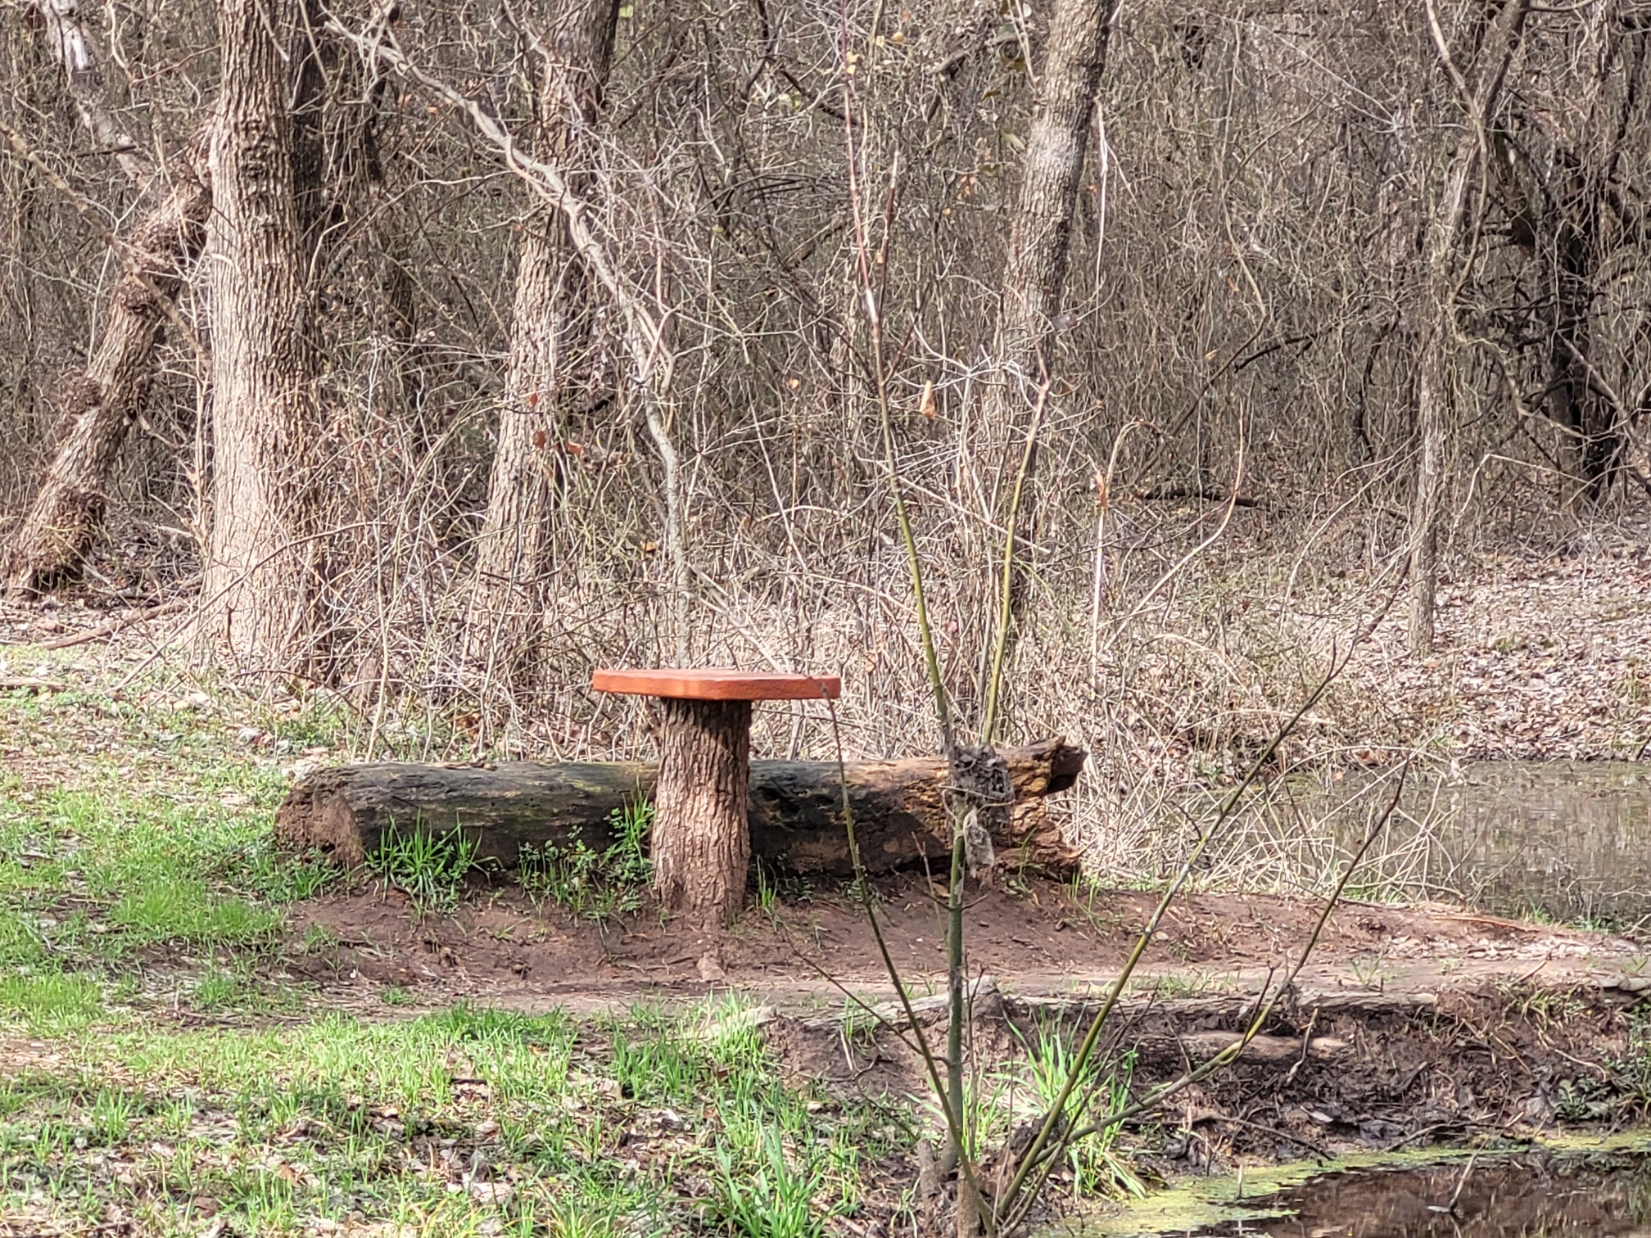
pixel 795 809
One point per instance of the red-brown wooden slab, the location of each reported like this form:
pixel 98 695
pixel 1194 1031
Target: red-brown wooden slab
pixel 714 683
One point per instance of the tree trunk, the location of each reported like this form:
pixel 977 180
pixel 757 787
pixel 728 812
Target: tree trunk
pixel 1041 235
pixel 1433 434
pixel 550 329
pixel 100 405
pixel 701 842
pixel 1442 277
pixel 264 364
pixel 795 809
pixel 1591 442
pixel 1035 270
pixel 1592 424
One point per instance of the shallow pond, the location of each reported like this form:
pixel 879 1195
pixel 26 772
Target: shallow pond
pixel 1571 840
pixel 1589 1197
pixel 1562 1195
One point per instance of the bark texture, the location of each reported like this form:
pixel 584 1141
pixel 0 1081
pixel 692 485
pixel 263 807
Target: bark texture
pixel 100 404
pixel 1433 441
pixel 794 809
pixel 701 844
pixel 550 333
pixel 1041 236
pixel 264 364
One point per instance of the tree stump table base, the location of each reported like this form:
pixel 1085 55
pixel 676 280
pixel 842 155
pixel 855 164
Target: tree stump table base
pixel 701 843
pixel 701 840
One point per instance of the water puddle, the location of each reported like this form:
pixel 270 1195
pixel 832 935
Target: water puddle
pixel 1585 1198
pixel 1566 839
pixel 1569 1194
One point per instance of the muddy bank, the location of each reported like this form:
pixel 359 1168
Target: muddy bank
pixel 1331 1073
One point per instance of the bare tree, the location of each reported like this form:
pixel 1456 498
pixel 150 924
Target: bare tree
pixel 550 336
pixel 1034 271
pixel 101 403
pixel 1446 264
pixel 259 568
pixel 1562 166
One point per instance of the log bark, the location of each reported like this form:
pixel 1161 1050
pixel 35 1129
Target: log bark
pixel 794 809
pixel 700 846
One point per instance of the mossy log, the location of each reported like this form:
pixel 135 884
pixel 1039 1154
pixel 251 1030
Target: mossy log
pixel 795 809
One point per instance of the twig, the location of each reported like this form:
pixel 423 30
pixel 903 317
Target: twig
pixel 652 360
pixel 112 626
pixel 863 881
pixel 994 682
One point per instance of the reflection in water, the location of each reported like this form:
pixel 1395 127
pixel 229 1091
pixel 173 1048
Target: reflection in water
pixel 1527 1197
pixel 1568 839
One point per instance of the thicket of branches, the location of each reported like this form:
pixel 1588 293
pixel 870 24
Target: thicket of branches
pixel 1343 285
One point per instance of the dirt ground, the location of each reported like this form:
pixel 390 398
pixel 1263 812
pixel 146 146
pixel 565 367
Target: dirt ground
pixel 1041 938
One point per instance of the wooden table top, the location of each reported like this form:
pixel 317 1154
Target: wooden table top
pixel 718 683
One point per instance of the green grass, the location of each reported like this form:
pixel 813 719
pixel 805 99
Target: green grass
pixel 135 829
pixel 50 1000
pixel 429 867
pixel 136 861
pixel 456 1122
pixel 102 875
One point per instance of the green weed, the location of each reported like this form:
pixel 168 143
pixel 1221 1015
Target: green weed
pixel 428 867
pixel 1631 1074
pixel 767 894
pixel 772 1196
pixel 590 884
pixel 1097 1163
